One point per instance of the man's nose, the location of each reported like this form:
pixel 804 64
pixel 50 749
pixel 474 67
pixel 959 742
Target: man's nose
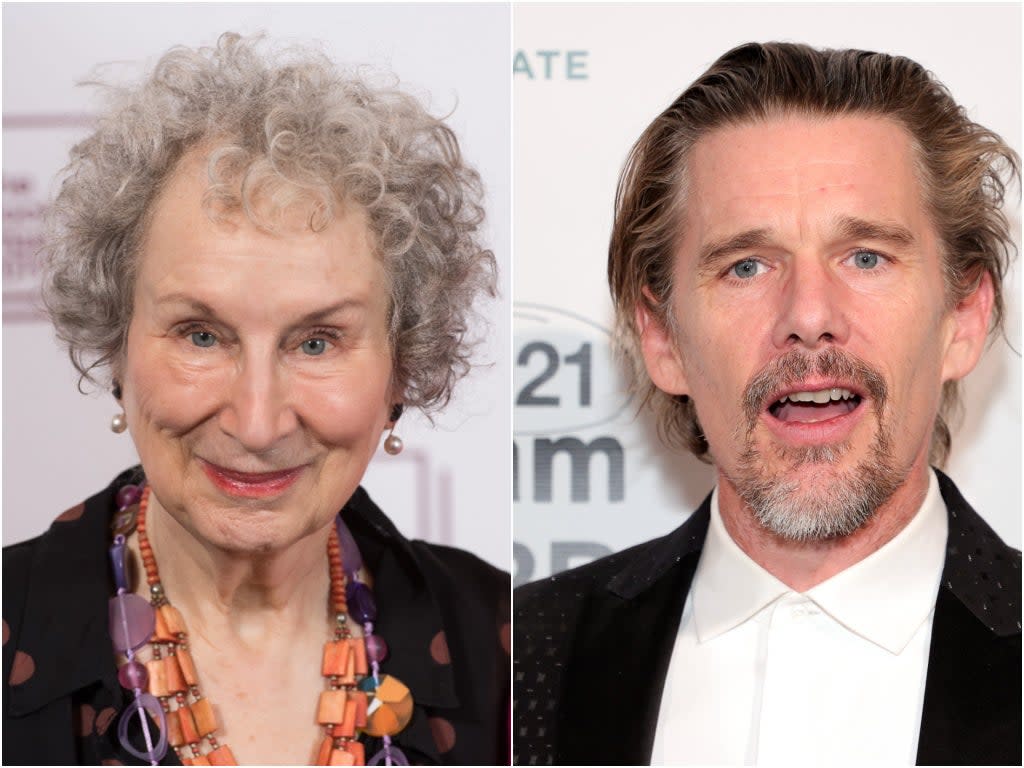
pixel 258 411
pixel 811 306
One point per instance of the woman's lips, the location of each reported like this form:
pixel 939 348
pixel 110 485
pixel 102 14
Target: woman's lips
pixel 251 485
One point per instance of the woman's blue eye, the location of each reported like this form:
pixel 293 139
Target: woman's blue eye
pixel 746 268
pixel 314 346
pixel 865 259
pixel 203 339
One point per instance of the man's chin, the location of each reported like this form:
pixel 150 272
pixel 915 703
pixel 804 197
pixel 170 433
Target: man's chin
pixel 816 493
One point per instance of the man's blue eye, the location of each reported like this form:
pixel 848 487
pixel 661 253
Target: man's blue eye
pixel 314 346
pixel 203 339
pixel 746 268
pixel 865 259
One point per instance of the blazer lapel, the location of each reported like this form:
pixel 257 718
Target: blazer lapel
pixel 622 651
pixel 972 710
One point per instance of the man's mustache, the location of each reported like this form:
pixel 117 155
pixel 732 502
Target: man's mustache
pixel 795 366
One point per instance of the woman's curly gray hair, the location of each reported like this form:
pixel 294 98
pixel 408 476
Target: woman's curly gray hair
pixel 281 129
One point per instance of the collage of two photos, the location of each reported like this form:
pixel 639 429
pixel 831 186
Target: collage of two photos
pixel 417 384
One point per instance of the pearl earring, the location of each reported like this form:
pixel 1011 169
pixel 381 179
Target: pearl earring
pixel 119 423
pixel 393 443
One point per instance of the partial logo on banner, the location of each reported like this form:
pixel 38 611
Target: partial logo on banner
pixel 34 147
pixel 568 456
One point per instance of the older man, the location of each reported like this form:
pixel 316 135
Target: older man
pixel 807 257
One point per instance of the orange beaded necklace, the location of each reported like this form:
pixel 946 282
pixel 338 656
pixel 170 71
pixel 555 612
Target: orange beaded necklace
pixel 190 717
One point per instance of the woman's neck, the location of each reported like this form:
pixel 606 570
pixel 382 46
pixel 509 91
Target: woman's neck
pixel 253 596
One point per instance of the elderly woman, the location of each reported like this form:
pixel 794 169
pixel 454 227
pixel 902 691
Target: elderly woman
pixel 266 261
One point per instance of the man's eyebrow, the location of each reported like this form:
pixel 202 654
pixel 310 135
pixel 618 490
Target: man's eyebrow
pixel 716 251
pixel 852 228
pixel 847 227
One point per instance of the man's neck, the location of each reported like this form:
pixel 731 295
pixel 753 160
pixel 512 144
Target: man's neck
pixel 801 565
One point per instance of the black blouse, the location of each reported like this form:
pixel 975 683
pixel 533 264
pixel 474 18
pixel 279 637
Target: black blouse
pixel 443 612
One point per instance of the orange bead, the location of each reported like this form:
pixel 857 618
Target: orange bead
pixel 357 751
pixel 188 724
pixel 403 711
pixel 335 656
pixel 359 651
pixel 174 737
pixel 222 755
pixel 188 667
pixel 391 689
pixel 341 757
pixel 161 633
pixel 172 619
pixel 349 677
pixel 206 720
pixel 175 680
pixel 361 704
pixel 201 760
pixel 157 677
pixel 332 707
pixel 186 761
pixel 348 724
pixel 324 755
pixel 382 721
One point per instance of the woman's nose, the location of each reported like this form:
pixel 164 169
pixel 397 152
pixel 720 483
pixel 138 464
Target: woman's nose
pixel 258 411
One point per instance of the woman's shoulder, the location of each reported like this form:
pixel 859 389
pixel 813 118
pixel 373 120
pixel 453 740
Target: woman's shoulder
pixel 450 562
pixel 57 579
pixel 465 587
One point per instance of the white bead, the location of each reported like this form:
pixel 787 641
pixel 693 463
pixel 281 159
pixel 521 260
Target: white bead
pixel 119 423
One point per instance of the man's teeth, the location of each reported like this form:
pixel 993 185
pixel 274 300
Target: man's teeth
pixel 818 396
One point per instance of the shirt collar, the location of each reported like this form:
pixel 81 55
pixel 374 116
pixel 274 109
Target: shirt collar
pixel 730 588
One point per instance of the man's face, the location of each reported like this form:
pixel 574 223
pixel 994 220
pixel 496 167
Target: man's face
pixel 811 324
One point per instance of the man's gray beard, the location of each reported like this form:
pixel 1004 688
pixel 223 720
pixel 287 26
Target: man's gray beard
pixel 835 507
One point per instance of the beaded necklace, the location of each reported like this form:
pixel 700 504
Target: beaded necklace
pixel 166 688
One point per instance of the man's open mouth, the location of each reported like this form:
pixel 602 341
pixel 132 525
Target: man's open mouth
pixel 812 406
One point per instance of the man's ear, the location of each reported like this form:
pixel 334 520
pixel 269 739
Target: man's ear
pixel 658 346
pixel 970 320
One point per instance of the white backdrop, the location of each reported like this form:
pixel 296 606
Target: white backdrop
pixel 590 478
pixel 451 483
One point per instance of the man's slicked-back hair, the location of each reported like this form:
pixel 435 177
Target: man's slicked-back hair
pixel 963 167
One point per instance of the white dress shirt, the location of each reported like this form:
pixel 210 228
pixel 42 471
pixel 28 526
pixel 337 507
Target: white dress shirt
pixel 763 675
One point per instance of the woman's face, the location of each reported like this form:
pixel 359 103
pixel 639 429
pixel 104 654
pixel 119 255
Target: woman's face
pixel 257 372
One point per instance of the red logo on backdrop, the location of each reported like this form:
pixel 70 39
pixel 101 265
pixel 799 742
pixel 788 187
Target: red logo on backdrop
pixel 35 147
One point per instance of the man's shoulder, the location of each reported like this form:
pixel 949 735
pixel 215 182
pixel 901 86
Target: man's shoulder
pixel 981 570
pixel 577 583
pixel 623 573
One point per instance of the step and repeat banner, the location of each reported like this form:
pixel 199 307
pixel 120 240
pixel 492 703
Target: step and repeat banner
pixel 451 484
pixel 589 476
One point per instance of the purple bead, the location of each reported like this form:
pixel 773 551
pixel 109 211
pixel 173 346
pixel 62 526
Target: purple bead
pixel 361 604
pixel 155 749
pixel 376 648
pixel 132 621
pixel 351 560
pixel 117 555
pixel 128 495
pixel 133 675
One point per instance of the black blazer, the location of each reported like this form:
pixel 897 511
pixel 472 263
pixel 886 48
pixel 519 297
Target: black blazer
pixel 592 648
